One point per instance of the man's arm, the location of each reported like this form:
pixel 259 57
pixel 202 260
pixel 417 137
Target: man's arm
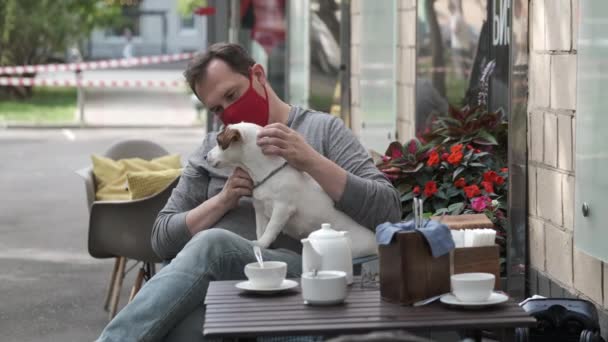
pixel 170 232
pixel 358 187
pixel 189 211
pixel 346 171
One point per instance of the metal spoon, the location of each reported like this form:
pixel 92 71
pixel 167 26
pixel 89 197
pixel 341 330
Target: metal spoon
pixel 428 300
pixel 258 255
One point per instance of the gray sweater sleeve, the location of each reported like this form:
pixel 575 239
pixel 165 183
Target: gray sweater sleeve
pixel 369 198
pixel 170 233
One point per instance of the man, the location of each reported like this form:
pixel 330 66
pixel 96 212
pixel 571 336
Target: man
pixel 206 227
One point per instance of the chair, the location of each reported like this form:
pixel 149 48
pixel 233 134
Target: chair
pixel 122 229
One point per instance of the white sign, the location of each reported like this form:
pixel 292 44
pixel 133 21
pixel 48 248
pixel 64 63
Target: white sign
pixel 500 22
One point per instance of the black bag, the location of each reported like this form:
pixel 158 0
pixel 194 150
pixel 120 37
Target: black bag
pixel 561 319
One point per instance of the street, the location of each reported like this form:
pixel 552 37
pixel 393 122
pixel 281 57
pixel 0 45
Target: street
pixel 50 288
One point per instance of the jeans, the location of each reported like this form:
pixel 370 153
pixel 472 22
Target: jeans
pixel 169 307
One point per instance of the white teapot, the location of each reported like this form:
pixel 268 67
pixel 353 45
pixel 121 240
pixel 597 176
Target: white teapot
pixel 327 249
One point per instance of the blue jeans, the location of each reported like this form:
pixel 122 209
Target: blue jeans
pixel 170 306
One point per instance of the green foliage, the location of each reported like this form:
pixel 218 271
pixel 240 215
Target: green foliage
pixel 33 31
pixel 48 105
pixel 455 170
pixel 186 7
pixel 470 125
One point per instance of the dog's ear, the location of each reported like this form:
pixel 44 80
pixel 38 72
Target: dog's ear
pixel 227 137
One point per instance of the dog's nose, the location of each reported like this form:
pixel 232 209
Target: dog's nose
pixel 205 157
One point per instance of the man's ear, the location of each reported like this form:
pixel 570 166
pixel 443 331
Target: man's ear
pixel 227 137
pixel 258 72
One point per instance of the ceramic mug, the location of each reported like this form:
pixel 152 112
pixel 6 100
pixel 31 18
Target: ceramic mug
pixel 324 287
pixel 472 287
pixel 269 277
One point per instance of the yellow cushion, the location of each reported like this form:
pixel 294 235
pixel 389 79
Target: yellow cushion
pixel 147 183
pixel 111 175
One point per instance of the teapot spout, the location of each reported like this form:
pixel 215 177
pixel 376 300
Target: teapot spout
pixel 311 259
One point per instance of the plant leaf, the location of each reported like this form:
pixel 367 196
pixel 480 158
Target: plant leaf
pixel 485 138
pixel 407 196
pixel 457 172
pixel 456 208
pixel 441 194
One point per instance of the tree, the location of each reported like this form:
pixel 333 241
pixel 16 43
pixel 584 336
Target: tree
pixel 41 31
pixel 34 31
pixel 186 7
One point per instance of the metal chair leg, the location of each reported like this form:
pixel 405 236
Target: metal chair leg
pixel 122 261
pixel 106 305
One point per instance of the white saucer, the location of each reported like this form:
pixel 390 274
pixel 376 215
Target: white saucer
pixel 285 285
pixel 495 298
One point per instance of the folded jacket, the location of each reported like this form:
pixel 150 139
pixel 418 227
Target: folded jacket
pixel 436 234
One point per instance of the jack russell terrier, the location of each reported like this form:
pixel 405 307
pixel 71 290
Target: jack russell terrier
pixel 284 198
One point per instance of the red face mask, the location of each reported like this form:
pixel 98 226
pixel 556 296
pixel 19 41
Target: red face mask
pixel 250 107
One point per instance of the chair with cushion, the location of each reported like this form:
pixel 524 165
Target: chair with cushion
pixel 121 229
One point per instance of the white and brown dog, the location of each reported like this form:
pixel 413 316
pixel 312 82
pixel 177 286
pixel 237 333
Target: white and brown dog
pixel 284 198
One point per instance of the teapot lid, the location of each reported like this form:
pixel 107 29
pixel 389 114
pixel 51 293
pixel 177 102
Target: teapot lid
pixel 326 232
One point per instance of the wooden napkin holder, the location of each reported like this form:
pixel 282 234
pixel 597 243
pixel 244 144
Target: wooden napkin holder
pixel 409 273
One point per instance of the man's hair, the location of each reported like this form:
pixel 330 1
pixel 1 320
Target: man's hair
pixel 234 55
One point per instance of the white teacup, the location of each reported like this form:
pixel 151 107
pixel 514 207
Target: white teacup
pixel 269 277
pixel 324 287
pixel 472 287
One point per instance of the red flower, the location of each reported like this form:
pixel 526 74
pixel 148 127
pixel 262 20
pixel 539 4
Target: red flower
pixel 469 147
pixel 416 190
pixel 489 176
pixel 504 170
pixel 477 150
pixel 460 183
pixel 433 158
pixel 499 180
pixel 488 187
pixel 456 148
pixel 445 156
pixel 472 191
pixel 455 157
pixel 430 188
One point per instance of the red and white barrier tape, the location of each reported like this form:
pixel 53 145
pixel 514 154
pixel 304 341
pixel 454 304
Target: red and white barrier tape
pixel 28 82
pixel 96 65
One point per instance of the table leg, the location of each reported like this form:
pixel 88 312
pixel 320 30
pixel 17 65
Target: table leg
pixel 508 334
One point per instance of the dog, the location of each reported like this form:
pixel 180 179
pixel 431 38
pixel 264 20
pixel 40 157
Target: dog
pixel 285 199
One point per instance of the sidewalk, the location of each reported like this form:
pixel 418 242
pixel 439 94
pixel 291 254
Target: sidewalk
pixel 139 106
pixel 50 288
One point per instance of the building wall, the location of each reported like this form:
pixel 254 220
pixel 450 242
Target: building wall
pixel 406 67
pixel 149 41
pixel 551 172
pixel 557 267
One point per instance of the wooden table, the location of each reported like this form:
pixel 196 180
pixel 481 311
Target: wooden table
pixel 231 313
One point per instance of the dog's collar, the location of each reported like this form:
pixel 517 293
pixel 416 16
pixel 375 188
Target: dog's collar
pixel 274 172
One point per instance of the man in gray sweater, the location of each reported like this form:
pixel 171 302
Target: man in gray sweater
pixel 206 226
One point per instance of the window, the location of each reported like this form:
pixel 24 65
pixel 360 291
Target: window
pixel 378 74
pixel 186 22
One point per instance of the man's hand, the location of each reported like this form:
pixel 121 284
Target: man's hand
pixel 280 140
pixel 238 184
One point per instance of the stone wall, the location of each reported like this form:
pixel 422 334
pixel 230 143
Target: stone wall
pixel 551 139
